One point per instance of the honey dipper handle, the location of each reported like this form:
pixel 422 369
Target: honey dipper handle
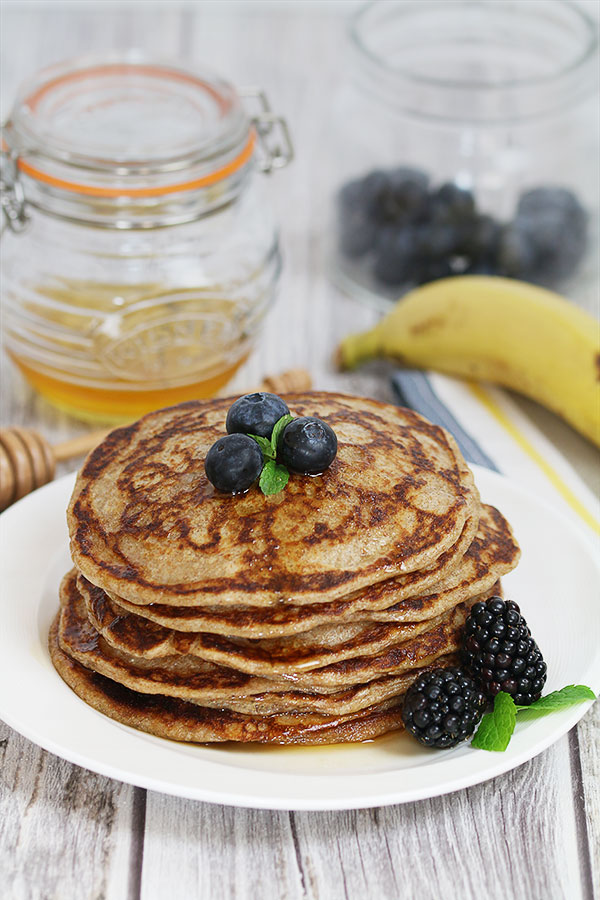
pixel 79 445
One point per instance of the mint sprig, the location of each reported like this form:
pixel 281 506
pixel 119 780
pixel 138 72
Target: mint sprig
pixel 265 446
pixel 274 475
pixel 567 696
pixel 277 429
pixel 496 728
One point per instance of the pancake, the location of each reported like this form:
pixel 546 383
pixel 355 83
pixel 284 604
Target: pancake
pixel 443 638
pixel 146 525
pixel 300 617
pixel 178 720
pixel 269 658
pixel 197 680
pixel 350 700
pixel 213 686
pixel 493 553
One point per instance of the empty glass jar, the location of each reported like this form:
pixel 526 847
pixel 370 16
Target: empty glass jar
pixel 466 141
pixel 139 254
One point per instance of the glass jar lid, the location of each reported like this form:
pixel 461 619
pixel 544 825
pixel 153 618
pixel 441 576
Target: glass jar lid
pixel 475 61
pixel 127 135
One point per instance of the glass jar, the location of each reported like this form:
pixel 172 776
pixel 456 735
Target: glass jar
pixel 466 141
pixel 139 254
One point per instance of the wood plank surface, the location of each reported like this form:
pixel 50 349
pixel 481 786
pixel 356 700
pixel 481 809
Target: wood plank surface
pixel 67 834
pixel 503 838
pixel 586 787
pixel 64 832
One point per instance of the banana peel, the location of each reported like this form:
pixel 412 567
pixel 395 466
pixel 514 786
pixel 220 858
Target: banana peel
pixel 495 329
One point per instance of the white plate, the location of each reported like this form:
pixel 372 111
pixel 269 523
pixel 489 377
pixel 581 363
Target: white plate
pixel 557 585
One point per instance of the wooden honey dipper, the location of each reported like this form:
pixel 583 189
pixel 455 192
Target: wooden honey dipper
pixel 27 460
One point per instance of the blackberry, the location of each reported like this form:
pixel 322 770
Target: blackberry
pixel 442 708
pixel 500 654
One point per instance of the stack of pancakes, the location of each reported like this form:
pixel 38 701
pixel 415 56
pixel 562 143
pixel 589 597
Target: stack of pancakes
pixel 301 617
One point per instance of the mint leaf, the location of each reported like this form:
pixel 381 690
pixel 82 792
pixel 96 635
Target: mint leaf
pixel 496 728
pixel 568 696
pixel 277 429
pixel 273 478
pixel 265 446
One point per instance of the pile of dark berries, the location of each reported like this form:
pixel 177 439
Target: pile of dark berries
pixel 407 232
pixel 305 444
pixel 500 654
pixel 442 708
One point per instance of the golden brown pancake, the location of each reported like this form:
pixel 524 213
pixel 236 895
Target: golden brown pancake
pixel 301 617
pixel 198 680
pixel 493 553
pixel 146 524
pixel 269 658
pixel 215 686
pixel 179 720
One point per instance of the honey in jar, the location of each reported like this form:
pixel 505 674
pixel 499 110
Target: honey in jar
pixel 139 256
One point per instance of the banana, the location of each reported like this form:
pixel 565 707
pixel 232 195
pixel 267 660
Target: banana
pixel 495 329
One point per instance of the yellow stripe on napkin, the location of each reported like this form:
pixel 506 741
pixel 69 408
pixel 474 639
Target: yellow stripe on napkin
pixel 526 445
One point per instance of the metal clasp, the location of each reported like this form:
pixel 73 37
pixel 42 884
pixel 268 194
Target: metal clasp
pixel 12 195
pixel 274 142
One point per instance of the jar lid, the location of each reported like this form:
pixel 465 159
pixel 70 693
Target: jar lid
pixel 484 62
pixel 114 128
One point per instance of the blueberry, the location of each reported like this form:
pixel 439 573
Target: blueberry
pixel 409 175
pixel 371 191
pixel 233 463
pixel 542 249
pixel 395 256
pixel 482 267
pixel 432 269
pixel 539 201
pixel 556 224
pixel 559 245
pixel 405 197
pixel 357 234
pixel 255 414
pixel 307 445
pixel 438 239
pixel 359 213
pixel 481 239
pixel 453 204
pixel 517 253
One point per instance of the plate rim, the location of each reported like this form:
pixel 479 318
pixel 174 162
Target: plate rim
pixel 466 775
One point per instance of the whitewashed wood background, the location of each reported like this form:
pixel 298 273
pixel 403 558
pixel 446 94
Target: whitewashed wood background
pixel 67 834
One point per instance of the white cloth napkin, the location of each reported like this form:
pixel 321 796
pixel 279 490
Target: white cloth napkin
pixel 492 431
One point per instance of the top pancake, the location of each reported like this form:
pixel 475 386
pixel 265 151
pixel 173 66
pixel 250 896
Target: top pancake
pixel 146 524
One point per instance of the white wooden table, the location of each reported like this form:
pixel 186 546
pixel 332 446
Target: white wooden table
pixel 67 834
